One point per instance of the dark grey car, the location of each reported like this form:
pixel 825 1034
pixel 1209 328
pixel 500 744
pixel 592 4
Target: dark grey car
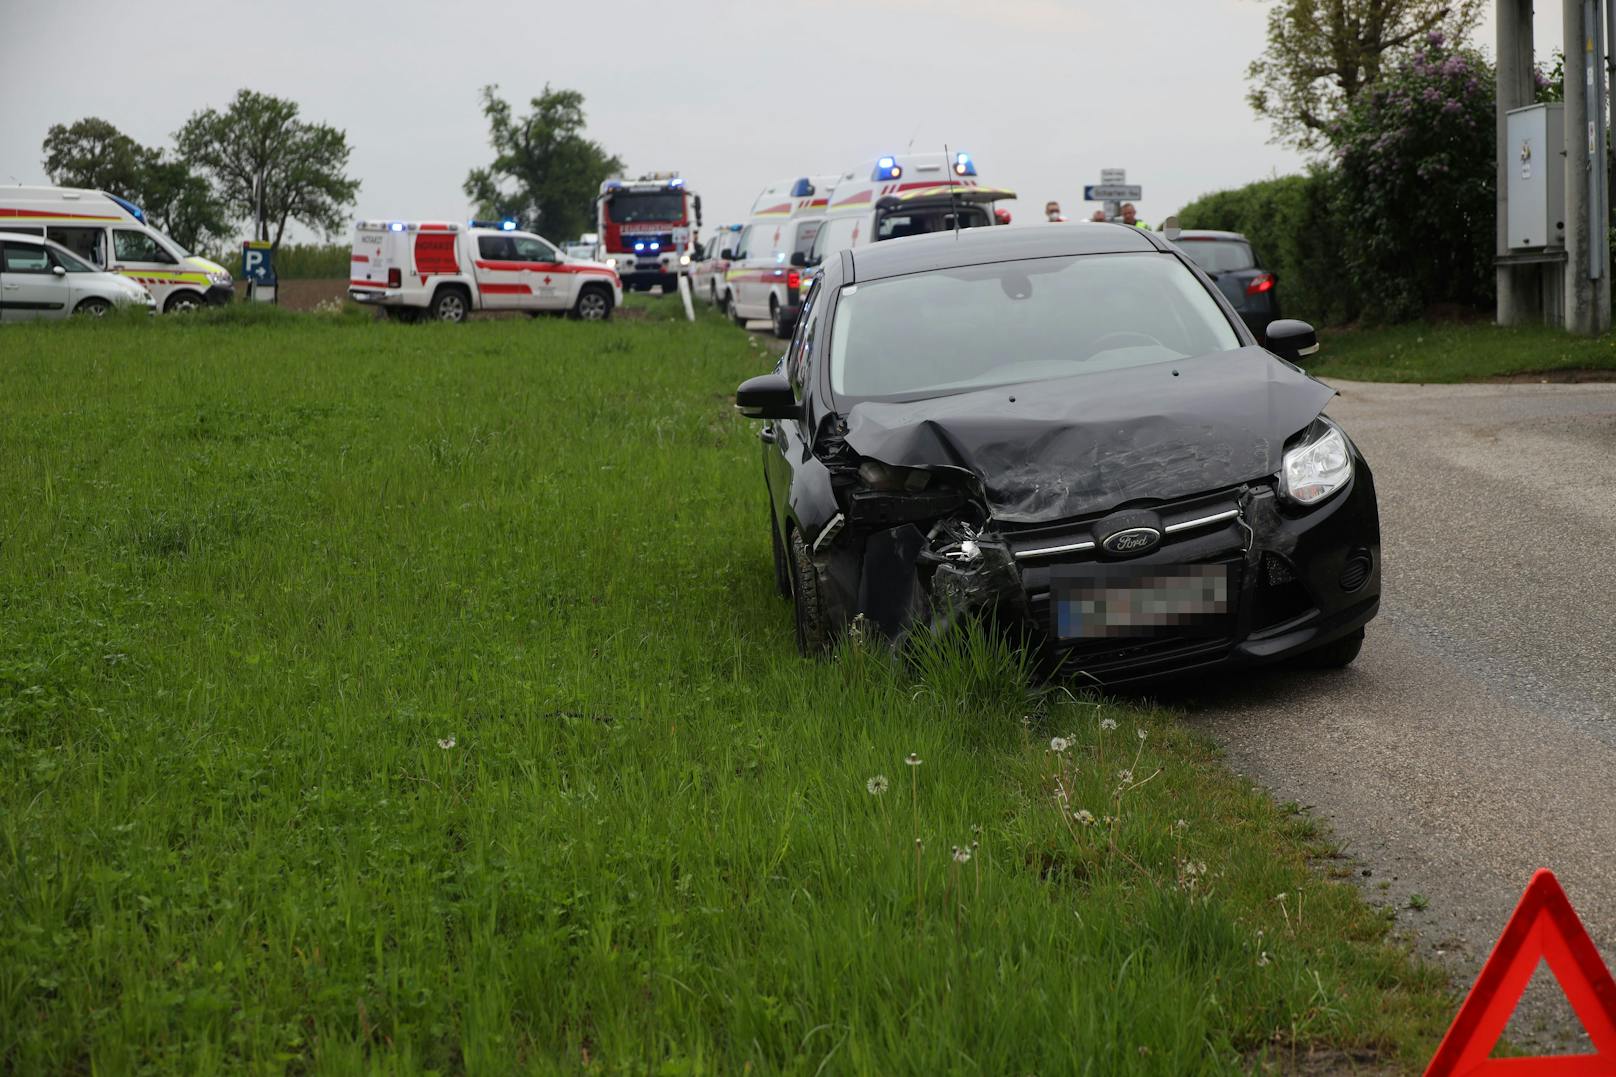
pixel 1228 259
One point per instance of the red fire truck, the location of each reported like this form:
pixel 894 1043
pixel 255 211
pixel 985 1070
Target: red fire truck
pixel 647 229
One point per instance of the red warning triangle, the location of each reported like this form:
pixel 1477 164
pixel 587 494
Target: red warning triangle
pixel 1543 927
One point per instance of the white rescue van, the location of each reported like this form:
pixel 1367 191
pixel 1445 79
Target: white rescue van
pixel 446 270
pixel 111 234
pixel 909 195
pixel 764 278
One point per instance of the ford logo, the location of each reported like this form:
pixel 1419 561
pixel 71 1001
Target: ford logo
pixel 1132 540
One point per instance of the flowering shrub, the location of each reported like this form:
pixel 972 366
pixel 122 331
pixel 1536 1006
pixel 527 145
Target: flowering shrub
pixel 1415 180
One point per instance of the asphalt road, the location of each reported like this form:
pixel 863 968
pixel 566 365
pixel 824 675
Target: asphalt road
pixel 1475 738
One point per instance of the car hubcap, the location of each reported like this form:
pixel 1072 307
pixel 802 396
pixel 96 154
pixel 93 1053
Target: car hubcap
pixel 453 309
pixel 592 307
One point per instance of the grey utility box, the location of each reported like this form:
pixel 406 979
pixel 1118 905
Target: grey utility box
pixel 1535 140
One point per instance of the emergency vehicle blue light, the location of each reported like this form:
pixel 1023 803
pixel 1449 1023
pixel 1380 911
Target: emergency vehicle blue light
pixel 886 168
pixel 639 246
pixel 802 188
pixel 507 225
pixel 396 226
pixel 134 210
pixel 676 183
pixel 963 165
pixel 655 245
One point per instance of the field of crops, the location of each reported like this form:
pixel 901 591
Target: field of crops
pixel 417 699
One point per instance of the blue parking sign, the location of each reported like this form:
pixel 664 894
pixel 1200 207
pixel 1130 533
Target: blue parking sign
pixel 256 265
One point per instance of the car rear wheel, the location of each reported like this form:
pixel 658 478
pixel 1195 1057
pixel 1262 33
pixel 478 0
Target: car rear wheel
pixel 1337 654
pixel 593 305
pixel 813 630
pixel 450 305
pixel 782 570
pixel 777 321
pixel 94 307
pixel 734 315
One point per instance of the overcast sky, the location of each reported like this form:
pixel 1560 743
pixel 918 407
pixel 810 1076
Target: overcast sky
pixel 731 93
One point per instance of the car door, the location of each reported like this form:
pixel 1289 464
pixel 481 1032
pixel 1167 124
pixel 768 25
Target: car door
pixel 137 255
pixel 499 274
pixel 549 281
pixel 29 286
pixel 785 441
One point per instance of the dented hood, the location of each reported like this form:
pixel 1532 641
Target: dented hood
pixel 1050 450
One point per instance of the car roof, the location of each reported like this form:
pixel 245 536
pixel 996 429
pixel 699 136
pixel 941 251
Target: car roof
pixel 975 246
pixel 1210 233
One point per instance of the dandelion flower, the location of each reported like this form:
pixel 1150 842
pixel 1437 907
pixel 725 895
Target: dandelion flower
pixel 962 856
pixel 1107 725
pixel 1281 896
pixel 913 760
pixel 1084 816
pixel 876 785
pixel 446 742
pixel 1058 744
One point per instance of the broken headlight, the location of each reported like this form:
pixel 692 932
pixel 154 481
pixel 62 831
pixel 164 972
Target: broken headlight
pixel 890 480
pixel 889 495
pixel 1318 467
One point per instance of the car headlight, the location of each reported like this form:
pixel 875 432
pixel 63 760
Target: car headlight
pixel 1318 467
pixel 220 278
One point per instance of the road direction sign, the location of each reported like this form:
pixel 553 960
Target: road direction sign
pixel 1112 192
pixel 1113 175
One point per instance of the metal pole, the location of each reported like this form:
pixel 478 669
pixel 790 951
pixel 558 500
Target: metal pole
pixel 1519 297
pixel 1594 68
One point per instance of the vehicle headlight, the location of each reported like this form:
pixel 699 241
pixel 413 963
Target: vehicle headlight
pixel 889 479
pixel 219 278
pixel 1318 467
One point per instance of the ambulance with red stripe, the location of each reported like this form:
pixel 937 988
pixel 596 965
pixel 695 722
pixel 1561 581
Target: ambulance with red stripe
pixel 765 277
pixel 445 270
pixel 111 234
pixel 647 229
pixel 911 195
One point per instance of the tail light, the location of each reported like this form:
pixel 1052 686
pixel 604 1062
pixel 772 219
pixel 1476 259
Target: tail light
pixel 793 280
pixel 395 278
pixel 1263 282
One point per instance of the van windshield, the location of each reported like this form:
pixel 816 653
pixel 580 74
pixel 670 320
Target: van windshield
pixel 628 207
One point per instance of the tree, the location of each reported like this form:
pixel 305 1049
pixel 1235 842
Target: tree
pixel 1322 53
pixel 269 166
pixel 93 153
pixel 554 172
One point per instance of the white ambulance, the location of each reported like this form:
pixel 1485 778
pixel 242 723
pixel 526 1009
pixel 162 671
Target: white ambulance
pixel 111 234
pixel 445 270
pixel 907 195
pixel 764 278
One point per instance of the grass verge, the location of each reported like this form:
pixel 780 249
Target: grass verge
pixel 417 699
pixel 1428 353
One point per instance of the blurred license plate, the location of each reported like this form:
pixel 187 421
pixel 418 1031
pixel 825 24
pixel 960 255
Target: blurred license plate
pixel 1120 601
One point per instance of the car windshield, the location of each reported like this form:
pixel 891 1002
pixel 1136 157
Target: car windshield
pixel 629 206
pixel 953 330
pixel 1218 255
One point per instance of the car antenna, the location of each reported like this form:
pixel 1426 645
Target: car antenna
pixel 953 203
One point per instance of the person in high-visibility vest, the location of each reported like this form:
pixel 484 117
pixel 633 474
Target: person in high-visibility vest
pixel 1128 212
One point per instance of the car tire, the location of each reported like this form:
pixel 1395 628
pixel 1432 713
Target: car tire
pixel 782 570
pixel 593 305
pixel 94 307
pixel 182 302
pixel 450 305
pixel 777 321
pixel 1337 654
pixel 807 603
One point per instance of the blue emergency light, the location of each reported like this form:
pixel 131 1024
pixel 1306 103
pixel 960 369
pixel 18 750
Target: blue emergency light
pixel 395 226
pixel 887 168
pixel 963 165
pixel 506 225
pixel 676 182
pixel 134 210
pixel 802 188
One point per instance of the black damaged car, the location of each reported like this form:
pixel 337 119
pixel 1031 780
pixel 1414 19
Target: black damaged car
pixel 1066 432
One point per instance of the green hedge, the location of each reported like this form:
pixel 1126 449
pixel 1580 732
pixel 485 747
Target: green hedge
pixel 1297 235
pixel 295 261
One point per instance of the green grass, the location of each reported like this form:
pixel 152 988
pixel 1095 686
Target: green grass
pixel 256 566
pixel 1456 352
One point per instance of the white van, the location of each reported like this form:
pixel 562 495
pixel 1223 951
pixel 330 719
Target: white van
pixel 764 278
pixel 111 234
pixel 908 195
pixel 41 279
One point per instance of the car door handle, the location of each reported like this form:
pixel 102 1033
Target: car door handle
pixel 12 287
pixel 765 435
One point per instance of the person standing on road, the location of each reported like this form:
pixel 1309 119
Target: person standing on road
pixel 1099 215
pixel 1053 213
pixel 1128 213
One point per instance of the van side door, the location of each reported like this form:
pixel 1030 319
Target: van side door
pixel 137 255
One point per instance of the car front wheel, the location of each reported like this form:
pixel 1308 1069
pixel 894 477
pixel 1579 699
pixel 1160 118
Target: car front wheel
pixel 593 305
pixel 181 302
pixel 94 307
pixel 813 629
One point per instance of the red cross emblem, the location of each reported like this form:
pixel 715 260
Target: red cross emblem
pixel 547 280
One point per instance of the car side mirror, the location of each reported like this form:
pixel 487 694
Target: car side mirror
pixel 1291 339
pixel 59 271
pixel 816 259
pixel 767 396
pixel 727 253
pixel 799 259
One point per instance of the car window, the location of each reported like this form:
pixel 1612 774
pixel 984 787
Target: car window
pixel 835 235
pixel 802 342
pixel 496 247
pixel 952 330
pixel 529 249
pixel 67 261
pixel 1218 255
pixel 89 244
pixel 764 239
pixel 806 231
pixel 743 243
pixel 920 222
pixel 18 257
pixel 131 246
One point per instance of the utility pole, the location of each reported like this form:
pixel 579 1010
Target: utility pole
pixel 1519 293
pixel 1587 205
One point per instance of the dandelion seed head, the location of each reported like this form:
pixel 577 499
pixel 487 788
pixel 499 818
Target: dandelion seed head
pixel 1263 960
pixel 1142 734
pixel 1084 816
pixel 446 742
pixel 1058 744
pixel 876 785
pixel 1107 725
pixel 1125 776
pixel 913 760
pixel 962 856
pixel 1181 824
